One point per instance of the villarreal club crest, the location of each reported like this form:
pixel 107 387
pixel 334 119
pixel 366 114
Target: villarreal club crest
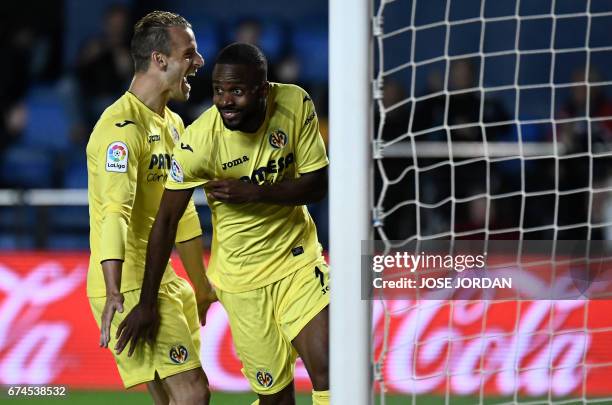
pixel 278 139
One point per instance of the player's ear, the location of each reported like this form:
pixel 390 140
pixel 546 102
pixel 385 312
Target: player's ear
pixel 159 59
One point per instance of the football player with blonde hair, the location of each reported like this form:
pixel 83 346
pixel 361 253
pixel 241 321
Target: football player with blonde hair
pixel 128 161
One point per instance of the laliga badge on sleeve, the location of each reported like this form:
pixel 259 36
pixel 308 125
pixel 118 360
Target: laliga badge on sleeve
pixel 176 172
pixel 117 157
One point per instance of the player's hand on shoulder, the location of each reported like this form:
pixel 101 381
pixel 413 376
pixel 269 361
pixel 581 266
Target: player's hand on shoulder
pixel 141 322
pixel 232 191
pixel 114 303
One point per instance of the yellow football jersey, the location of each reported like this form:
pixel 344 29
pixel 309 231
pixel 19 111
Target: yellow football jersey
pixel 255 244
pixel 128 160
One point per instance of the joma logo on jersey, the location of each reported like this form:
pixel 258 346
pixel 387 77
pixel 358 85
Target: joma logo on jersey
pixel 274 166
pixel 278 139
pixel 124 123
pixel 161 160
pixel 310 118
pixel 154 138
pixel 235 162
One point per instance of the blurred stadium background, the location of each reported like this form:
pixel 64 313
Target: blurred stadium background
pixel 65 61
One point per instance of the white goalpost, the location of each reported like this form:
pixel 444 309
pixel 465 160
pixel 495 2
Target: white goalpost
pixel 349 184
pixel 468 119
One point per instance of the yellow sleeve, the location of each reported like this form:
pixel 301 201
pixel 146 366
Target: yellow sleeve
pixel 191 159
pixel 189 226
pixel 116 159
pixel 310 150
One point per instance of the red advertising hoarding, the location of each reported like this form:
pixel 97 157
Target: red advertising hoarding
pixel 48 336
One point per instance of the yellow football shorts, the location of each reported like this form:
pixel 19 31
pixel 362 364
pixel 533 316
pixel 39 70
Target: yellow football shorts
pixel 177 347
pixel 265 321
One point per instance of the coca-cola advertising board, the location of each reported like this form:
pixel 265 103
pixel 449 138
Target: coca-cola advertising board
pixel 48 336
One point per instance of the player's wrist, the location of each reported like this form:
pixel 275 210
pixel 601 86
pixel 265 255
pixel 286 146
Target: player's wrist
pixel 206 296
pixel 113 292
pixel 261 193
pixel 148 303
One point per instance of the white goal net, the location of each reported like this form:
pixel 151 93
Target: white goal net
pixel 493 120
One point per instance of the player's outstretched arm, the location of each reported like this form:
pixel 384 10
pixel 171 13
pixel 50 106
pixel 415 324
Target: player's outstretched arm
pixel 143 319
pixel 307 189
pixel 191 254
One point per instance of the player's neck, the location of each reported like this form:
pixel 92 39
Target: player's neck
pixel 147 90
